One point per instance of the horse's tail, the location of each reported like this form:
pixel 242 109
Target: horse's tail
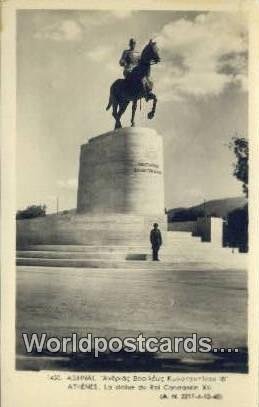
pixel 115 88
pixel 110 102
pixel 111 97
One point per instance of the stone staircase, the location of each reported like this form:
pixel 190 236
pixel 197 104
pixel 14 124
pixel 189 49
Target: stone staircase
pixel 181 249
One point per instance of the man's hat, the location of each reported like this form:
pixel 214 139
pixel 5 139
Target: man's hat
pixel 155 225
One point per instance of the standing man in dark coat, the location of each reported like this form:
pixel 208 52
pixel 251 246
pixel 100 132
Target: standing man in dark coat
pixel 156 241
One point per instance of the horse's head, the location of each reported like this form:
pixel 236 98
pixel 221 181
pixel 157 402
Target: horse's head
pixel 150 53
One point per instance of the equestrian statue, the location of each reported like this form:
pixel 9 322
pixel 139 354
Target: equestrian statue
pixel 136 84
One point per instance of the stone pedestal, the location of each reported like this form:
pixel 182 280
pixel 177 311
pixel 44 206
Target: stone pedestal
pixel 120 195
pixel 122 172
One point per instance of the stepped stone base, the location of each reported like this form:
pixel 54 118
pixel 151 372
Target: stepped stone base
pixel 181 250
pixel 82 229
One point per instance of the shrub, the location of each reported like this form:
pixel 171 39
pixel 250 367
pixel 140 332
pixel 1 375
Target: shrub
pixel 33 211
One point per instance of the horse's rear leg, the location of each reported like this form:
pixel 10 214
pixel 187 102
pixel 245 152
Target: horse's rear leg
pixel 134 107
pixel 115 111
pixel 122 108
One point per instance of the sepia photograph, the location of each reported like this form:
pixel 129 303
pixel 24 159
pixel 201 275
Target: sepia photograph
pixel 132 190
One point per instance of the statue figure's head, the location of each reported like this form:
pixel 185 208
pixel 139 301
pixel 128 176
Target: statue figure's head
pixel 132 43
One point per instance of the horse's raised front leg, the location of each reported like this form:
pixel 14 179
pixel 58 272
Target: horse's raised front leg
pixel 152 96
pixel 134 107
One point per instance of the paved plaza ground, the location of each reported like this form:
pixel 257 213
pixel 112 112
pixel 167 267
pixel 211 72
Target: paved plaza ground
pixel 125 302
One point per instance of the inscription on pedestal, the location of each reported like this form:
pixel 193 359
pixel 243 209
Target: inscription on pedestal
pixel 150 168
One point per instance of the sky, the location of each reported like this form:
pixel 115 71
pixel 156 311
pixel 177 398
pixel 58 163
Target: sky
pixel 66 62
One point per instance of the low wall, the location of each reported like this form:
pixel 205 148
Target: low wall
pixel 188 226
pixel 116 229
pixel 210 229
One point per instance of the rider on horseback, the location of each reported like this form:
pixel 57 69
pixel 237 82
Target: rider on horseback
pixel 129 58
pixel 136 84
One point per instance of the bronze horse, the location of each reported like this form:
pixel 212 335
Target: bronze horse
pixel 136 86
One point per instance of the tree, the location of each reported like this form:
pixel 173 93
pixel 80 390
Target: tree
pixel 240 147
pixel 33 211
pixel 237 220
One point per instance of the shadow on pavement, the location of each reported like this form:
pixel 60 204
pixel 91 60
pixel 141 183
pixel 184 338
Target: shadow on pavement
pixel 135 362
